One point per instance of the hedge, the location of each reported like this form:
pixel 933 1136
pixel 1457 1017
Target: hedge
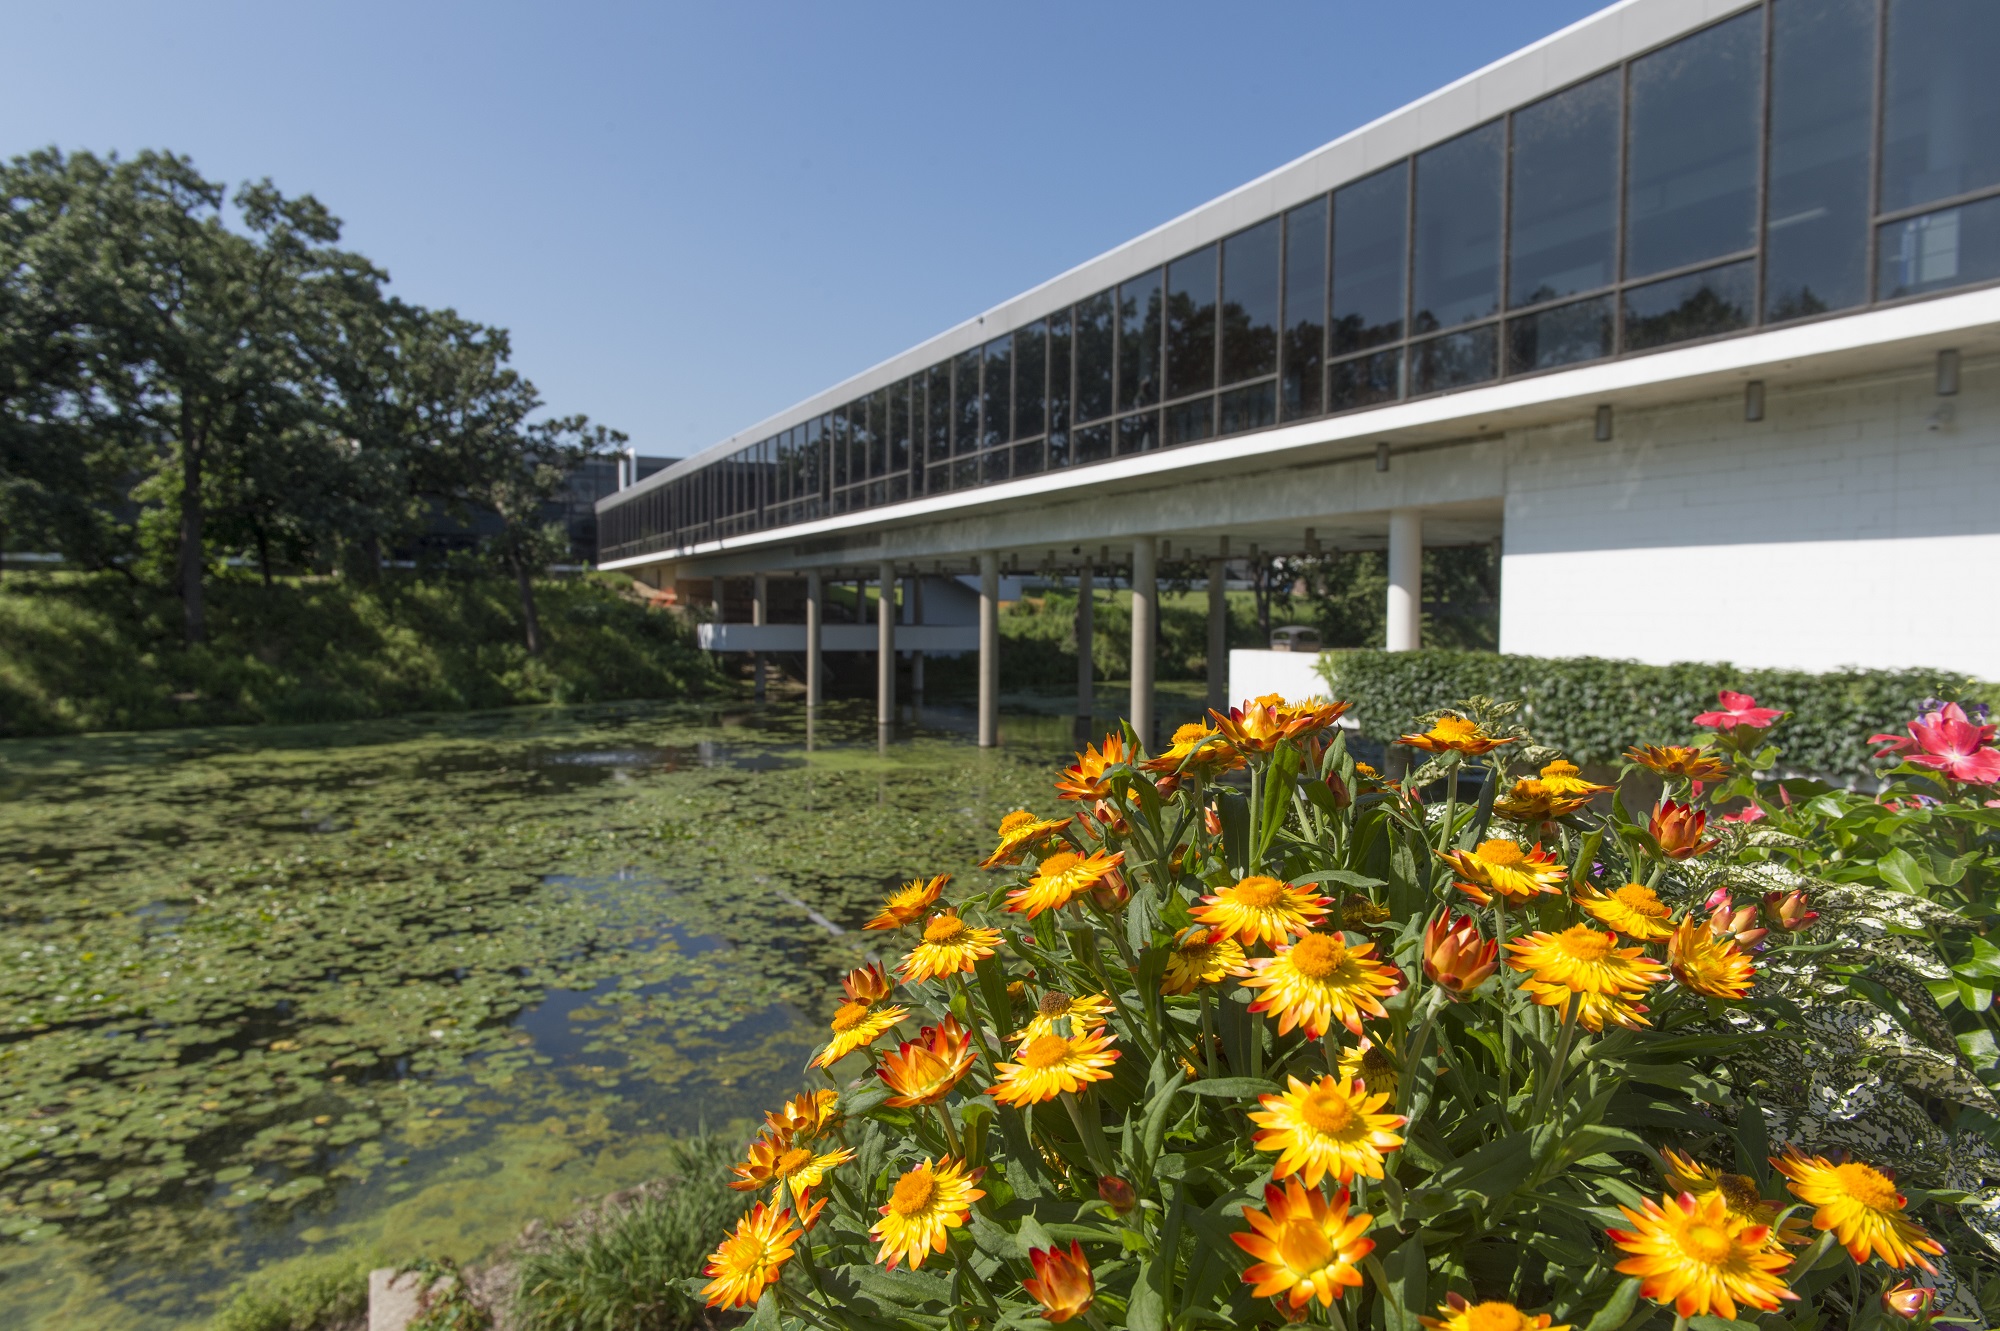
pixel 1593 708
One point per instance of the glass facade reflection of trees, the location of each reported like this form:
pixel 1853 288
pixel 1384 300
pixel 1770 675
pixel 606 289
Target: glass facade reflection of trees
pixel 1798 159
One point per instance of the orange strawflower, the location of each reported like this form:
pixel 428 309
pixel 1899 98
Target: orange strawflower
pixel 1261 910
pixel 1692 762
pixel 1634 910
pixel 1690 1252
pixel 1085 778
pixel 1020 832
pixel 1862 1208
pixel 1197 750
pixel 1556 793
pixel 1306 1247
pixel 1457 957
pixel 1062 1282
pixel 1060 878
pixel 1460 1315
pixel 1677 827
pixel 1506 869
pixel 923 1071
pixel 1711 966
pixel 1258 727
pixel 1052 1064
pixel 1454 734
pixel 1319 980
pixel 1329 1127
pixel 907 904
pixel 750 1258
pixel 950 946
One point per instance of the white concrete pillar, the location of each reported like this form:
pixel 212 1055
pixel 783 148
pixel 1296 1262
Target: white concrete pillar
pixel 913 613
pixel 1406 579
pixel 815 614
pixel 989 649
pixel 885 646
pixel 1145 611
pixel 1218 637
pixel 1086 639
pixel 760 613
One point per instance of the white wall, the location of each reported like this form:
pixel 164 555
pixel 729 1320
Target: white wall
pixel 1858 524
pixel 1254 673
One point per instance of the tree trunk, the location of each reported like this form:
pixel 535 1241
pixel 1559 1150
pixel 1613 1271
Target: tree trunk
pixel 194 620
pixel 531 625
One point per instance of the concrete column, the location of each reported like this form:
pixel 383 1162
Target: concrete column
pixel 915 615
pixel 1086 626
pixel 1145 610
pixel 815 613
pixel 1218 638
pixel 1406 579
pixel 760 613
pixel 989 649
pixel 885 647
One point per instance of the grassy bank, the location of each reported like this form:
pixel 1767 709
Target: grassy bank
pixel 81 652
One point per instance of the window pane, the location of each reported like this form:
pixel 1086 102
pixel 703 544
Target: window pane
pixel 1028 458
pixel 1370 241
pixel 1698 305
pixel 1364 380
pixel 1939 250
pixel 1059 351
pixel 1094 341
pixel 897 431
pixel 965 403
pixel 1250 303
pixel 937 392
pixel 1139 341
pixel 993 465
pixel 1191 323
pixel 878 433
pixel 1140 433
pixel 1561 336
pixel 1565 193
pixel 1030 365
pixel 937 478
pixel 1942 101
pixel 836 445
pixel 1305 308
pixel 1471 357
pixel 816 457
pixel 1457 272
pixel 965 472
pixel 1816 206
pixel 1093 443
pixel 999 390
pixel 1691 191
pixel 1189 422
pixel 860 441
pixel 1251 408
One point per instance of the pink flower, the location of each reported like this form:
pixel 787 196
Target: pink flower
pixel 1947 741
pixel 1738 709
pixel 1788 911
pixel 1749 813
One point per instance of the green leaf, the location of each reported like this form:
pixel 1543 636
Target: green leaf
pixel 1237 1088
pixel 1705 1322
pixel 1148 1309
pixel 1492 1171
pixel 1901 871
pixel 1406 1299
pixel 1614 1315
pixel 766 1316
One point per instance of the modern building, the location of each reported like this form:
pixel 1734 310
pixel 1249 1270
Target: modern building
pixel 1693 306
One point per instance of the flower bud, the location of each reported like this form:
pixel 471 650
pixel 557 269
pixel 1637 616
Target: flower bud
pixel 1456 958
pixel 1168 786
pixel 1788 911
pixel 1062 1284
pixel 1111 892
pixel 1341 797
pixel 1907 1300
pixel 1118 1192
pixel 1107 814
pixel 1211 820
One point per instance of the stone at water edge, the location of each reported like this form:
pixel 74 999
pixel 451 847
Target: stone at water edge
pixel 393 1295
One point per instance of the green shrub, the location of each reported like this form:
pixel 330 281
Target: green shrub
pixel 630 1272
pixel 1592 708
pixel 311 1294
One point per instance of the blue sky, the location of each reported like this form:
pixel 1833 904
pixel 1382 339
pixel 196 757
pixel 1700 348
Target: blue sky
pixel 692 216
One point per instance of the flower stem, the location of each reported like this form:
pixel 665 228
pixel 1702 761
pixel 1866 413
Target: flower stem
pixel 1506 1008
pixel 1415 1050
pixel 950 1133
pixel 1091 1139
pixel 1207 1034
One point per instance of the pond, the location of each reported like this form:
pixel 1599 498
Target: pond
pixel 399 987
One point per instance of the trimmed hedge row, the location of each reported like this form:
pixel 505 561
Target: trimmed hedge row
pixel 1593 708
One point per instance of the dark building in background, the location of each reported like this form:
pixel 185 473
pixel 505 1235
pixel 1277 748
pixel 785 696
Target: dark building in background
pixel 576 510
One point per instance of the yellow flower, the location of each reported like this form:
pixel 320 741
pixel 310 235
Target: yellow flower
pixel 1711 966
pixel 805 1116
pixel 1257 727
pixel 1306 1248
pixel 926 1202
pixel 1587 961
pixel 907 904
pixel 1021 831
pixel 1556 793
pixel 1372 1064
pixel 1690 1252
pixel 1199 957
pixel 923 1071
pixel 1261 910
pixel 1085 778
pixel 1696 764
pixel 1321 979
pixel 1085 1014
pixel 1739 1194
pixel 1328 1127
pixel 777 1162
pixel 1504 868
pixel 1592 1010
pixel 1860 1204
pixel 1198 750
pixel 1634 910
pixel 750 1258
pixel 1060 877
pixel 950 945
pixel 859 1022
pixel 1454 734
pixel 1460 1315
pixel 1051 1064
pixel 1062 1283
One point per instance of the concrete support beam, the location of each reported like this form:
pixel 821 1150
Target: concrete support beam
pixel 989 649
pixel 1406 579
pixel 885 647
pixel 1145 613
pixel 815 616
pixel 913 613
pixel 1218 638
pixel 1086 629
pixel 760 606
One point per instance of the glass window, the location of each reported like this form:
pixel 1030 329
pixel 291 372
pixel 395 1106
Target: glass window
pixel 1456 277
pixel 1365 380
pixel 1305 308
pixel 815 449
pixel 937 478
pixel 898 429
pixel 1059 352
pixel 1691 187
pixel 1028 457
pixel 1816 204
pixel 836 445
pixel 1094 357
pixel 1941 104
pixel 860 442
pixel 1140 433
pixel 965 472
pixel 1093 443
pixel 1370 243
pixel 1564 335
pixel 1250 303
pixel 999 390
pixel 993 465
pixel 1030 375
pixel 1951 248
pixel 1250 408
pixel 878 433
pixel 1471 357
pixel 965 403
pixel 937 412
pixel 1720 300
pixel 1139 329
pixel 1564 194
pixel 1191 323
pixel 1188 422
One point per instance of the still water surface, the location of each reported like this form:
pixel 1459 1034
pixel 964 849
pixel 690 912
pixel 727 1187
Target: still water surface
pixel 399 987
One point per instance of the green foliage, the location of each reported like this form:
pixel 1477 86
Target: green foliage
pixel 94 652
pixel 312 1294
pixel 630 1271
pixel 1592 708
